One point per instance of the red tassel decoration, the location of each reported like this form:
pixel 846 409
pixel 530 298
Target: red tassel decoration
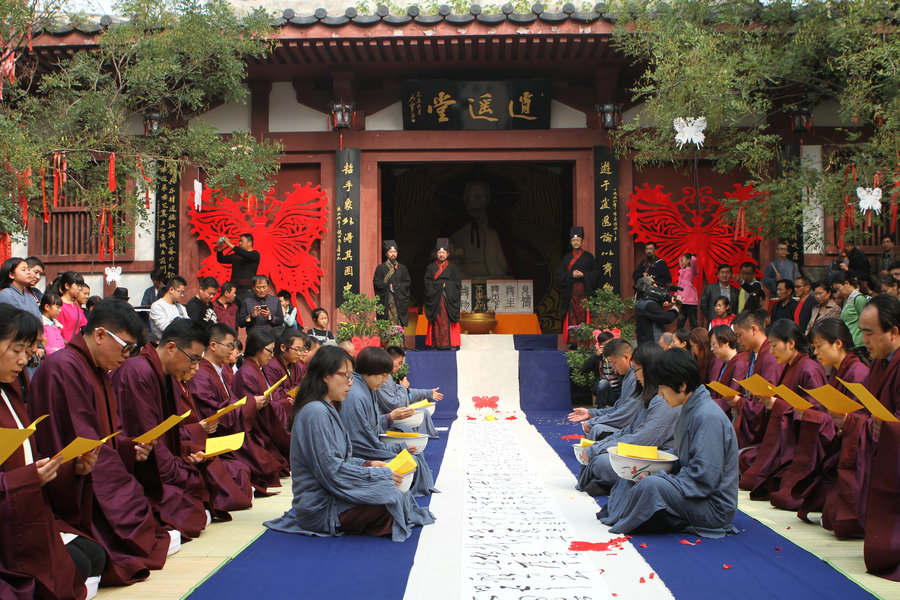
pixel 112 237
pixel 44 196
pixel 112 172
pixel 100 233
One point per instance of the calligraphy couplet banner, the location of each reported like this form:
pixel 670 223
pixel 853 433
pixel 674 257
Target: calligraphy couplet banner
pixel 606 215
pixel 165 252
pixel 437 104
pixel 346 222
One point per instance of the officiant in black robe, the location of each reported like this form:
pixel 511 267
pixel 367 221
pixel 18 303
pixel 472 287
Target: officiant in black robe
pixel 391 283
pixel 577 278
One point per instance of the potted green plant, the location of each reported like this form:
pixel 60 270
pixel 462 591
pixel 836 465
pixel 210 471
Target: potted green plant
pixel 361 327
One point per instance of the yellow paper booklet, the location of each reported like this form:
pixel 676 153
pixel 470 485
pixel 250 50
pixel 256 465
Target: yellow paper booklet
pixel 757 386
pixel 274 386
pixel 80 445
pixel 834 400
pixel 11 439
pixel 226 443
pixel 869 401
pixel 421 404
pixel 634 451
pixel 161 429
pixel 403 463
pixel 722 389
pixel 401 434
pixel 293 391
pixel 793 398
pixel 584 443
pixel 225 410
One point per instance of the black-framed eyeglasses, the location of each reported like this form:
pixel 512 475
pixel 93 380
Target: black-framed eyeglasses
pixel 271 350
pixel 127 347
pixel 300 349
pixel 348 375
pixel 230 345
pixel 195 360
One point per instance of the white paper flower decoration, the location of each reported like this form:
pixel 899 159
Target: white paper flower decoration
pixel 689 131
pixel 869 199
pixel 198 195
pixel 113 275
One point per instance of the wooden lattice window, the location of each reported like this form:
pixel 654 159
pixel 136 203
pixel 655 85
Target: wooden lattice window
pixel 71 235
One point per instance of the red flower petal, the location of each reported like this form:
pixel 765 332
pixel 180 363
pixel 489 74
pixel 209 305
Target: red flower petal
pixel 777 548
pixel 643 580
pixel 697 542
pixel 686 543
pixel 471 418
pixel 511 418
pixel 643 545
pixel 651 575
pixel 572 437
pixel 726 567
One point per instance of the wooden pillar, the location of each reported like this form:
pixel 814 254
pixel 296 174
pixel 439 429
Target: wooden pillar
pixel 259 108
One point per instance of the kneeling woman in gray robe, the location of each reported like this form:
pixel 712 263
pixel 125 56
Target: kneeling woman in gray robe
pixel 335 493
pixel 700 496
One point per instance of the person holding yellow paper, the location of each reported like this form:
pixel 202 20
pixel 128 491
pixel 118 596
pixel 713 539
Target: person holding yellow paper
pixel 271 420
pixel 73 387
pixel 735 365
pixel 398 394
pixel 765 466
pixel 654 425
pixel 835 493
pixel 750 328
pixel 336 492
pixel 290 347
pixel 145 390
pixel 211 392
pixel 701 493
pixel 360 417
pixel 31 536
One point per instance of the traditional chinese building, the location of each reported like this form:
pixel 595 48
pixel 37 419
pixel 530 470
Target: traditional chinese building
pixel 401 119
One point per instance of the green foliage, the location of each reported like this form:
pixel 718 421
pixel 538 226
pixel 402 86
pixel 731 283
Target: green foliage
pixel 745 66
pixel 360 312
pixel 175 58
pixel 608 311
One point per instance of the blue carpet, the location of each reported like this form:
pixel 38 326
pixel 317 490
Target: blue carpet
pixel 283 565
pixel 532 341
pixel 544 381
pixel 757 570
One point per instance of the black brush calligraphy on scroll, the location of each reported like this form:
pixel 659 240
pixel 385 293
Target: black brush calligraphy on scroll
pixel 437 104
pixel 606 216
pixel 165 252
pixel 346 222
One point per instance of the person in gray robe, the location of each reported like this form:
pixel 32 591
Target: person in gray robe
pixel 394 394
pixel 363 422
pixel 654 425
pixel 701 493
pixel 334 491
pixel 601 422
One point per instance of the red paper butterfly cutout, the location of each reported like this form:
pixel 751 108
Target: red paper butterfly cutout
pixel 486 401
pixel 283 232
pixel 691 224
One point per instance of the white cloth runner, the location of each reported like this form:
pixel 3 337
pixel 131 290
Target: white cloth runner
pixel 508 508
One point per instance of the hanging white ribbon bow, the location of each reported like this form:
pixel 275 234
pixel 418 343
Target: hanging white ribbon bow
pixel 113 275
pixel 869 199
pixel 198 195
pixel 689 131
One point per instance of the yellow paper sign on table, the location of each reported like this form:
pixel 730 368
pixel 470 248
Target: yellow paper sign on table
pixel 421 404
pixel 81 445
pixel 722 389
pixel 833 400
pixel 225 410
pixel 11 439
pixel 226 443
pixel 869 401
pixel 403 463
pixel 161 429
pixel 757 386
pixel 584 443
pixel 274 386
pixel 793 398
pixel 401 434
pixel 634 451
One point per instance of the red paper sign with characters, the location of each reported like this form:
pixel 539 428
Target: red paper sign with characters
pixel 283 233
pixel 695 223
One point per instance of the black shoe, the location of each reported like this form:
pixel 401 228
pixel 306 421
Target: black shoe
pixel 595 488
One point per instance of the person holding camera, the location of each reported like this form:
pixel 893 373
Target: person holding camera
pixel 262 310
pixel 655 309
pixel 244 261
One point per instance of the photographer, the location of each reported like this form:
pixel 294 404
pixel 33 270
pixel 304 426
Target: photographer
pixel 655 309
pixel 244 261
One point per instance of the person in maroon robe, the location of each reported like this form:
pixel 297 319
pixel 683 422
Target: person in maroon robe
pixel 30 534
pixel 290 347
pixel 227 478
pixel 833 345
pixel 211 392
pixel 144 387
pixel 735 365
pixel 73 387
pixel 768 466
pixel 250 381
pixel 576 275
pixel 750 329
